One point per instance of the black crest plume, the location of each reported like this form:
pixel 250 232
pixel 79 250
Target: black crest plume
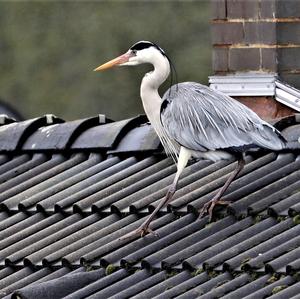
pixel 141 45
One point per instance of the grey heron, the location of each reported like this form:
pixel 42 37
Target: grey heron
pixel 193 120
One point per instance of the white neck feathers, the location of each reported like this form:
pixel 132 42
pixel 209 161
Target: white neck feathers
pixel 149 87
pixel 152 101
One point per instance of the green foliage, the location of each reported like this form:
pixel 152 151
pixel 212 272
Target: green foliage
pixel 296 219
pixel 198 272
pixel 278 289
pixel 49 49
pixel 273 278
pixel 110 269
pixel 171 274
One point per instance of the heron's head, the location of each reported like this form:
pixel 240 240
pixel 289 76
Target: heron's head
pixel 141 52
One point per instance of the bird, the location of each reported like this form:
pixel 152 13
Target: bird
pixel 194 121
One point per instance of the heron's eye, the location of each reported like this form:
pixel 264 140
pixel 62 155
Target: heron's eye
pixel 134 52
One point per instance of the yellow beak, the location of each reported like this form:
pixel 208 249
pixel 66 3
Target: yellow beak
pixel 114 62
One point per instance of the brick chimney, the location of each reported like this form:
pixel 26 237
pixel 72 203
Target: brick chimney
pixel 254 43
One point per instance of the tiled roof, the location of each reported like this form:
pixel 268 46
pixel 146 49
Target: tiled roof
pixel 69 190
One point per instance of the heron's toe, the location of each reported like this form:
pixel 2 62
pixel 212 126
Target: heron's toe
pixel 139 232
pixel 209 207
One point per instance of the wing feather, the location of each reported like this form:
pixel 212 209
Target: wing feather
pixel 200 118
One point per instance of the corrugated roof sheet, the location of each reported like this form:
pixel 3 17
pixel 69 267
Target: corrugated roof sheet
pixel 66 199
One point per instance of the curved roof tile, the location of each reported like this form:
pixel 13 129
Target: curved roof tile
pixel 65 201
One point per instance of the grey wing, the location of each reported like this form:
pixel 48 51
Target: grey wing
pixel 201 119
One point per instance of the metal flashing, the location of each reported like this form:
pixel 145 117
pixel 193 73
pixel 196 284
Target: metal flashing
pixel 254 84
pixel 244 84
pixel 287 95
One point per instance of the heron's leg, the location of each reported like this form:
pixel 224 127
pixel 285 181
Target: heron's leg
pixel 143 229
pixel 209 206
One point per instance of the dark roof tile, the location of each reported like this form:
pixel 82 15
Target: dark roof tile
pixel 28 163
pixel 248 181
pixel 58 182
pixel 146 198
pixel 209 180
pixel 15 243
pixel 60 136
pixel 30 178
pixel 279 264
pixel 271 248
pixel 4 120
pixel 137 184
pixel 106 136
pixel 67 192
pixel 245 184
pixel 139 139
pixel 22 229
pixel 3 216
pixel 137 288
pixel 113 170
pixel 121 285
pixel 286 291
pixel 141 249
pixel 284 186
pixel 5 272
pixel 91 247
pixel 64 237
pixel 286 121
pixel 7 170
pixel 60 284
pixel 283 165
pixel 228 286
pixel 66 205
pixel 21 279
pixel 58 226
pixel 8 220
pixel 43 198
pixel 287 201
pixel 255 257
pixel 113 241
pixel 14 135
pixel 201 239
pixel 120 179
pixel 167 288
pixel 4 158
pixel 291 133
pixel 271 287
pixel 294 266
pixel 236 237
pixel 247 245
pixel 206 286
pixel 294 210
pixel 248 288
pixel 98 285
pixel 72 247
pixel 189 283
pixel 39 182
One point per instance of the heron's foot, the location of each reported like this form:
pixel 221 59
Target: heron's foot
pixel 139 232
pixel 209 206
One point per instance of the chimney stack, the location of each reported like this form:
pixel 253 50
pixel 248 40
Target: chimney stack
pixel 256 40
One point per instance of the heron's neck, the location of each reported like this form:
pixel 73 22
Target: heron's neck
pixel 149 89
